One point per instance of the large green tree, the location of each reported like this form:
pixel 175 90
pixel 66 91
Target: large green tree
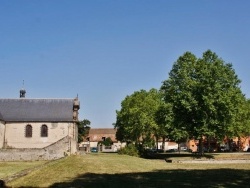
pixel 83 129
pixel 248 117
pixel 163 118
pixel 135 122
pixel 242 127
pixel 166 128
pixel 205 95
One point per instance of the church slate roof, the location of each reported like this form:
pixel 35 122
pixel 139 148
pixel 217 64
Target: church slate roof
pixel 36 110
pixel 1 117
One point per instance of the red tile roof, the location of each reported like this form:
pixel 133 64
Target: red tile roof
pixel 96 135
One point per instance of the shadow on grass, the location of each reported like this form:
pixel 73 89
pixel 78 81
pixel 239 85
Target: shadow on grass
pixel 178 156
pixel 169 178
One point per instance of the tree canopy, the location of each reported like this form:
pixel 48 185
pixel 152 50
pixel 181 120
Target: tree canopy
pixel 136 118
pixel 83 129
pixel 205 95
pixel 200 98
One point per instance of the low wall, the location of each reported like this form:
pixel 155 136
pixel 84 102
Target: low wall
pixel 55 151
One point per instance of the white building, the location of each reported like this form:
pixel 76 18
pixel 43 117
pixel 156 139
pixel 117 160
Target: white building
pixel 98 135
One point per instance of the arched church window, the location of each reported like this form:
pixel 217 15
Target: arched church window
pixel 44 131
pixel 28 131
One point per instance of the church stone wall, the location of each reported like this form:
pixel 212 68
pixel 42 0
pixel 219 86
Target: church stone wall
pixel 2 129
pixel 57 150
pixel 15 134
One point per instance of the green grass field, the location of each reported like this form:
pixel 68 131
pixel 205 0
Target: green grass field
pixel 113 170
pixel 8 169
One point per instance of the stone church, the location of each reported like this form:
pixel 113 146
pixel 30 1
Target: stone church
pixel 38 129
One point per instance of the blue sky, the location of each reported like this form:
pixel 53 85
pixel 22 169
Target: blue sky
pixel 103 50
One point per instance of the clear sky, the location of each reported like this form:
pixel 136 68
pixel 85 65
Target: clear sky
pixel 104 50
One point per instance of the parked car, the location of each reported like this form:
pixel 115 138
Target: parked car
pixel 183 148
pixel 223 148
pixel 94 150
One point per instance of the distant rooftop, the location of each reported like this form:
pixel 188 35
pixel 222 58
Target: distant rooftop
pixel 102 131
pixel 96 135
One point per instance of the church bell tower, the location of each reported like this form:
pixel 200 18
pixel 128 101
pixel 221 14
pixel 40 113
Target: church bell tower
pixel 22 91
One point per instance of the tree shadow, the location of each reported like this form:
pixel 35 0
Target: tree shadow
pixel 178 156
pixel 212 178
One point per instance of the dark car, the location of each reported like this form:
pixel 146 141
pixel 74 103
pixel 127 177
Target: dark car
pixel 223 149
pixel 94 150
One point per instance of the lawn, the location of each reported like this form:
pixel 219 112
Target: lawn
pixel 8 169
pixel 113 170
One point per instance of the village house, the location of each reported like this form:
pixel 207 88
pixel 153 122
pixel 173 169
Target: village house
pixel 38 129
pixel 96 136
pixel 213 145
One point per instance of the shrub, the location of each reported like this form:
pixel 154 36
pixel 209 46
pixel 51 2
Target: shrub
pixel 129 150
pixel 106 142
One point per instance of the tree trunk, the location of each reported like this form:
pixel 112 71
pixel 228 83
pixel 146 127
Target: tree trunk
pixel 163 143
pixel 200 146
pixel 209 144
pixel 230 144
pixel 156 143
pixel 179 149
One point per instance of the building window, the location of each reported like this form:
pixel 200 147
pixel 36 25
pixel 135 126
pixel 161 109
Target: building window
pixel 44 131
pixel 28 131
